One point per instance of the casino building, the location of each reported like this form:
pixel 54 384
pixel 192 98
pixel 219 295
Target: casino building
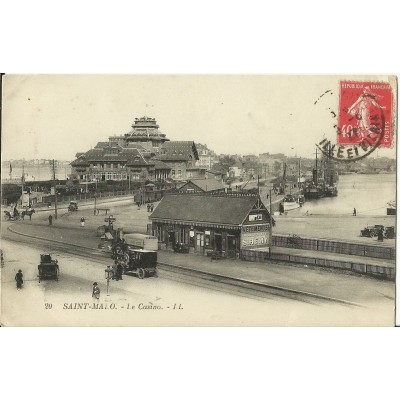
pixel 223 223
pixel 144 153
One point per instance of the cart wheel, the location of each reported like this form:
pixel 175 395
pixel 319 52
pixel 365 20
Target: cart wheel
pixel 141 273
pixel 371 234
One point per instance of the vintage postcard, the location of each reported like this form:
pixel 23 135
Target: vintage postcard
pixel 209 200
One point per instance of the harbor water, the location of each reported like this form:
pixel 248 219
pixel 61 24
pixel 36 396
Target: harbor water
pixel 34 173
pixel 368 194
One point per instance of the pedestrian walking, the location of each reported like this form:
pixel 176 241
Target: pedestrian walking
pixel 148 207
pixel 82 222
pixel 50 219
pixel 380 235
pixel 114 270
pixel 354 212
pixel 120 271
pixel 19 279
pixel 96 291
pixel 151 207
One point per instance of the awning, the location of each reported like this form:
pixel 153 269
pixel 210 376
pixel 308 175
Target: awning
pixel 195 223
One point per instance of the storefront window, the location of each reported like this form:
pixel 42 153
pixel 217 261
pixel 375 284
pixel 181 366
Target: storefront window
pixel 183 239
pixel 191 238
pixel 207 242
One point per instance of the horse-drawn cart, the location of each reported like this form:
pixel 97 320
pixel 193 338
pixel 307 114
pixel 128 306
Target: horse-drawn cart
pixel 12 216
pixel 48 268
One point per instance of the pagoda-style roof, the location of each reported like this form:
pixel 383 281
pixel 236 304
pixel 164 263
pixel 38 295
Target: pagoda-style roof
pixel 143 129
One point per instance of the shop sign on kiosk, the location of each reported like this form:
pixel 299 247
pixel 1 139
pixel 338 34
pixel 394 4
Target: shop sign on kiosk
pixel 255 236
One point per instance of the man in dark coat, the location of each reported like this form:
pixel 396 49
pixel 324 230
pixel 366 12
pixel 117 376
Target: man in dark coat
pixel 19 279
pixel 120 270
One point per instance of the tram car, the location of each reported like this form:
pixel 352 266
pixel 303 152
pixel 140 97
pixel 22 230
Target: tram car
pixel 48 268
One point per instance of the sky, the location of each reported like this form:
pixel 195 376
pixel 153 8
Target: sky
pixel 56 116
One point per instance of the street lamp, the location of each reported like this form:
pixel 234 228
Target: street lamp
pixel 108 273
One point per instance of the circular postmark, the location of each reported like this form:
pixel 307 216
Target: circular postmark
pixel 364 121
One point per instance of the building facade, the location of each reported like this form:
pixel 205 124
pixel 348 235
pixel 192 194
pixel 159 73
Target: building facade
pixel 181 157
pixel 142 154
pixel 226 224
pixel 207 157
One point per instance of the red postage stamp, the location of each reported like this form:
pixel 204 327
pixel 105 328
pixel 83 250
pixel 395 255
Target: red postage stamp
pixel 365 113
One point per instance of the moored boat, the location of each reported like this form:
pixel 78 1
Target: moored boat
pixel 290 202
pixel 331 191
pixel 312 191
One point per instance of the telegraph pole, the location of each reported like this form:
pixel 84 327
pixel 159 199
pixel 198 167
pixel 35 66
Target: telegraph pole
pixel 22 183
pixel 270 221
pixel 298 184
pixel 53 170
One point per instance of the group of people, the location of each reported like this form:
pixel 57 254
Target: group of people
pixel 19 278
pixel 150 207
pixel 117 271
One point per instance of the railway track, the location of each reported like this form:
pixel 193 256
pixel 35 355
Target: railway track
pixel 185 274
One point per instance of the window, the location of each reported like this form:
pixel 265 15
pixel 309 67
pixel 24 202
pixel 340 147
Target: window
pixel 183 239
pixel 160 233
